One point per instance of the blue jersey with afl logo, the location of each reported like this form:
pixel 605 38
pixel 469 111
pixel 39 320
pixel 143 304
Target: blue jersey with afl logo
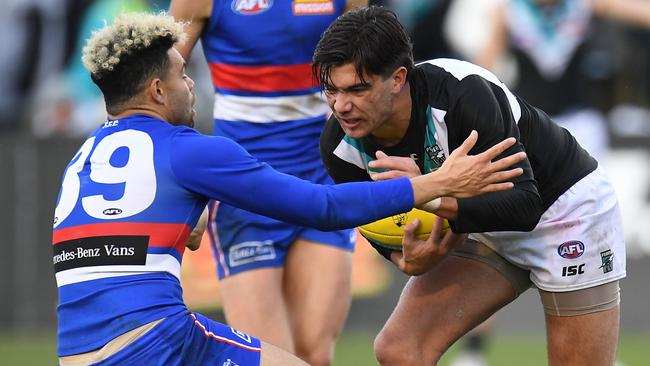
pixel 129 199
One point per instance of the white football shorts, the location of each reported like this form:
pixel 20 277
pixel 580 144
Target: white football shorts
pixel 577 244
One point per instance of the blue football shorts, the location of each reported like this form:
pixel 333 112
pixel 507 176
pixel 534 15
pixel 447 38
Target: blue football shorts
pixel 243 241
pixel 189 338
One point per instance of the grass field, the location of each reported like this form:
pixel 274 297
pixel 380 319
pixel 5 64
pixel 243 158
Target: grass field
pixel 356 350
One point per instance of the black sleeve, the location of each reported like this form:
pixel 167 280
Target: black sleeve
pixel 477 104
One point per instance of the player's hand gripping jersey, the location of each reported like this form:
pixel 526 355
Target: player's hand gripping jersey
pixel 132 194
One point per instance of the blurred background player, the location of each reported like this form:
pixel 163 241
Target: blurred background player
pixel 69 102
pixel 550 55
pixel 32 33
pixel 559 66
pixel 425 21
pixel 270 272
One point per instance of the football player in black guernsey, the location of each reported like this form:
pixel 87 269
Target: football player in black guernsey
pixel 559 230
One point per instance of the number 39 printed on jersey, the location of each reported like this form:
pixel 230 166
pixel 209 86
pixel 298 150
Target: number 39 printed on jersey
pixel 137 176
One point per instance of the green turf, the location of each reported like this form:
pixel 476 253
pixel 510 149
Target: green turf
pixel 39 350
pixel 356 350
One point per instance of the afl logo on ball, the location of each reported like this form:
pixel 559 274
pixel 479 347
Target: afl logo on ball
pixel 251 7
pixel 400 220
pixel 571 249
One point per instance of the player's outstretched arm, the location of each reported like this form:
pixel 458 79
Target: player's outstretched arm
pixel 464 175
pixel 219 168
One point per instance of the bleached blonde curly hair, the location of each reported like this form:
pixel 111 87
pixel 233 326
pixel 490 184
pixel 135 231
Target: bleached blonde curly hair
pixel 129 33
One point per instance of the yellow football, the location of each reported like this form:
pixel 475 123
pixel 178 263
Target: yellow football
pixel 389 231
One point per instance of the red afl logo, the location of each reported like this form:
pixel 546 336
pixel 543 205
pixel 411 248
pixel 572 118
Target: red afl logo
pixel 571 249
pixel 251 7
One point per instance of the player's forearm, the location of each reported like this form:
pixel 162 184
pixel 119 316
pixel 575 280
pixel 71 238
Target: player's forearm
pixel 448 208
pixel 429 186
pixel 634 12
pixel 196 13
pixel 194 241
pixel 514 210
pixel 445 207
pixel 325 207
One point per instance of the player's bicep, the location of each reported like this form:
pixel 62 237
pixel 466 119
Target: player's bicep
pixel 218 168
pixel 210 165
pixel 478 107
pixel 488 109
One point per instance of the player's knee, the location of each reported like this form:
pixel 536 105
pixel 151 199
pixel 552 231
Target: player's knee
pixel 382 347
pixel 317 358
pixel 317 354
pixel 391 349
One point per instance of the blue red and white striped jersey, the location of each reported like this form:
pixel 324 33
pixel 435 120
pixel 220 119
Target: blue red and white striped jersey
pixel 259 53
pixel 129 199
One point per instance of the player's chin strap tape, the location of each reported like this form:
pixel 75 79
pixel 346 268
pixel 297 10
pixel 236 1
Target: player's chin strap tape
pixel 385 252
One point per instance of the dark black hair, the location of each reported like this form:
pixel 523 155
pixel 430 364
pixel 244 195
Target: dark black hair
pixel 131 74
pixel 371 38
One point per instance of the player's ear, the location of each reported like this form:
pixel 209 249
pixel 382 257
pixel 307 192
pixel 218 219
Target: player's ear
pixel 399 78
pixel 156 91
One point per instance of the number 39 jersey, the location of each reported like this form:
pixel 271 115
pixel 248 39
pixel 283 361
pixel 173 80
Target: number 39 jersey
pixel 120 228
pixel 129 199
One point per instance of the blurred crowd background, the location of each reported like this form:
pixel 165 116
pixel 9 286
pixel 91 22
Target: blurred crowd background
pixel 48 104
pixel 47 93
